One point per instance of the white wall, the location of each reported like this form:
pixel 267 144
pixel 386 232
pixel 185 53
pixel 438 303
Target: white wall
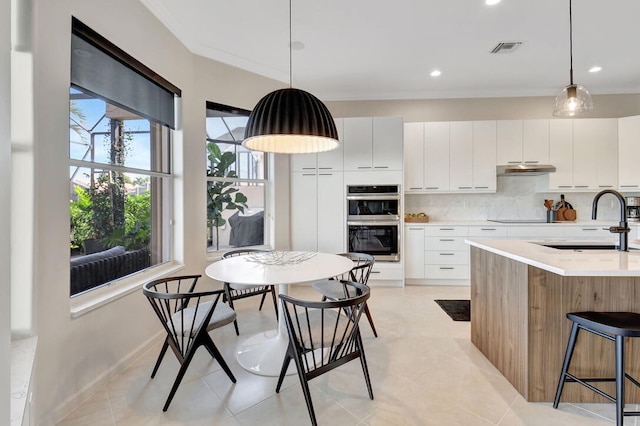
pixel 74 353
pixel 5 211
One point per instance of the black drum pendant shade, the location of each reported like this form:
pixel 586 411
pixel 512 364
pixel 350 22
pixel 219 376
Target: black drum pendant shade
pixel 290 121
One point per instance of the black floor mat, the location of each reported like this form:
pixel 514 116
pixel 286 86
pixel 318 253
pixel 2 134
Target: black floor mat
pixel 458 310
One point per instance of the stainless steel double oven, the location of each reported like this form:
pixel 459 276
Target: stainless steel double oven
pixel 373 221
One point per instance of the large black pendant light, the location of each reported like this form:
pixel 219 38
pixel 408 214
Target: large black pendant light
pixel 290 121
pixel 574 99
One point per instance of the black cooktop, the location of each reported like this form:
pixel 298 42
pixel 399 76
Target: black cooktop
pixel 517 220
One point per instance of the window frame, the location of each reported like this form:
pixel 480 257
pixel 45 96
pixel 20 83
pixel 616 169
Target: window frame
pixel 266 181
pixel 98 296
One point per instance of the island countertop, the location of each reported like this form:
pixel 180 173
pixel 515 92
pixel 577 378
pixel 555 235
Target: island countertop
pixel 570 263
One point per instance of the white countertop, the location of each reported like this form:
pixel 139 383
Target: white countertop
pixel 605 263
pixel 490 223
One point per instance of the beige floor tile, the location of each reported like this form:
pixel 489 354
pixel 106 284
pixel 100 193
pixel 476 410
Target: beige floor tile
pixel 423 367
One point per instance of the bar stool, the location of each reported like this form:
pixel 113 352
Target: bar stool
pixel 614 326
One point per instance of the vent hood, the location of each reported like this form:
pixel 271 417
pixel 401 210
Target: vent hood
pixel 525 169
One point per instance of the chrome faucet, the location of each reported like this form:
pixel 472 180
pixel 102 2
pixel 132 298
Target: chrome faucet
pixel 623 228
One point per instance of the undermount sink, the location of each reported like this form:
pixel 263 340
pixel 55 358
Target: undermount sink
pixel 577 246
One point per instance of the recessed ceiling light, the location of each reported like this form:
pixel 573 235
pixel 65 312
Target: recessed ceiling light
pixel 491 2
pixel 435 73
pixel 595 69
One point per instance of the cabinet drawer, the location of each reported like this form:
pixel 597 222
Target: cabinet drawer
pixel 456 231
pixel 446 257
pixel 488 231
pixel 445 243
pixel 450 272
pixel 386 272
pixel 593 231
pixel 542 231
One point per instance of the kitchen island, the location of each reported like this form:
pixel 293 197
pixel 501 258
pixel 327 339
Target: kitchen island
pixel 520 293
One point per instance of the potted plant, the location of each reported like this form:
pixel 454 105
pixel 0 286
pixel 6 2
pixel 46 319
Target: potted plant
pixel 222 195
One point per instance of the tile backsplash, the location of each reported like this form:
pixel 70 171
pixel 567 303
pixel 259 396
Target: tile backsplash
pixel 515 198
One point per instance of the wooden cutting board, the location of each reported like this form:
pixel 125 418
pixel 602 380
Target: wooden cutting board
pixel 569 214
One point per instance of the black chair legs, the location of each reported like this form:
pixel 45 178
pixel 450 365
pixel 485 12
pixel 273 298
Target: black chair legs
pixel 614 326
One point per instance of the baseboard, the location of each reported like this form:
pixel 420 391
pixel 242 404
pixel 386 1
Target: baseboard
pixel 76 400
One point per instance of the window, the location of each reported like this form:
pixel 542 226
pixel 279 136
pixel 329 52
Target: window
pixel 236 182
pixel 120 121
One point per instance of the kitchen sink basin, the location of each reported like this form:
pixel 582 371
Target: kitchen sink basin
pixel 581 246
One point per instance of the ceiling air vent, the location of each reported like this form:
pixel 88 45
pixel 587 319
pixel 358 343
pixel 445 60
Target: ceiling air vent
pixel 506 47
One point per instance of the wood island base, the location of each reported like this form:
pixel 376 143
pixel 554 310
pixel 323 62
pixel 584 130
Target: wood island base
pixel 518 322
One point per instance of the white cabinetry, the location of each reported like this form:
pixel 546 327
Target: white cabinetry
pixel 461 156
pixel 450 157
pixel 523 141
pixel 436 157
pixel 317 211
pixel 446 254
pixel 628 153
pixel 585 154
pixel 414 252
pixel 324 161
pixel 561 154
pixel 373 143
pixel 484 156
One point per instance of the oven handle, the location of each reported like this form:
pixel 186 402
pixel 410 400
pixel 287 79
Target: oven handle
pixel 374 223
pixel 373 197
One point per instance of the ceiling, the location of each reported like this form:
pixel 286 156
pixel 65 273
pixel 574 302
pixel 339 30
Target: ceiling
pixel 386 49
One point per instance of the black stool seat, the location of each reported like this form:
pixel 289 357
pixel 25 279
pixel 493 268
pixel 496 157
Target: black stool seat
pixel 625 324
pixel 614 326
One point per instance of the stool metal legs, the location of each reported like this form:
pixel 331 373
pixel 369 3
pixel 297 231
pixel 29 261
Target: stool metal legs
pixel 619 379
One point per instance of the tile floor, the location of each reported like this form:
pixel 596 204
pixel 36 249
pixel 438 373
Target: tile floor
pixel 423 367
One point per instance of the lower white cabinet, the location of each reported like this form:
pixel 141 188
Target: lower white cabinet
pixel 438 254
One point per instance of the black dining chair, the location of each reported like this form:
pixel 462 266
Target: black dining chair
pixel 324 335
pixel 235 291
pixel 187 316
pixel 332 290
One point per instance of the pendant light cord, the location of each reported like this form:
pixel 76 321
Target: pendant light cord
pixel 290 51
pixel 570 43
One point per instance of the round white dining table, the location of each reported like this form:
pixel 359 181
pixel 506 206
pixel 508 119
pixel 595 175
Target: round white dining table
pixel 264 352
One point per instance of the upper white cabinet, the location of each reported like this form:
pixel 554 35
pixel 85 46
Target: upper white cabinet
pixel 450 156
pixel 585 154
pixel 509 141
pixel 461 156
pixel 329 160
pixel 426 157
pixel 435 161
pixel 628 153
pixel 561 154
pixel 373 143
pixel 522 141
pixel 484 156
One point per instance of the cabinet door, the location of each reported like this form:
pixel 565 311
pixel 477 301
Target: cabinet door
pixel 304 211
pixel 413 156
pixel 436 156
pixel 509 141
pixel 303 162
pixel 628 153
pixel 414 252
pixel 484 156
pixel 535 141
pixel 358 143
pixel 333 160
pixel 387 143
pixel 585 159
pixel 331 212
pixel 461 151
pixel 606 136
pixel 561 153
